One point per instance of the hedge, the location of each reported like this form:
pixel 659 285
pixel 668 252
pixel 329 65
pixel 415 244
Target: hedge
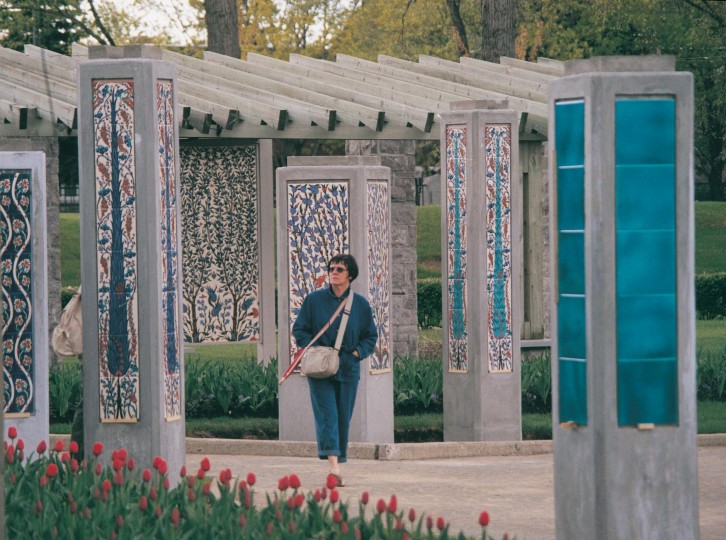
pixel 710 298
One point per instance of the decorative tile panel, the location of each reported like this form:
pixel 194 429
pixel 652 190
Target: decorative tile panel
pixel 17 293
pixel 169 249
pixel 456 141
pixel 498 248
pixel 379 276
pixel 317 229
pixel 220 243
pixel 113 123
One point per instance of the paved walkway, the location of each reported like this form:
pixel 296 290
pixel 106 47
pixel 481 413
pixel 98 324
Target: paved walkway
pixel 516 490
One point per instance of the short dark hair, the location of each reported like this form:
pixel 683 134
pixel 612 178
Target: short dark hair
pixel 348 261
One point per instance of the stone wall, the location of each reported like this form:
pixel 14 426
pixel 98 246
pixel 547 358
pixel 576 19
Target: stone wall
pixel 399 156
pixel 48 145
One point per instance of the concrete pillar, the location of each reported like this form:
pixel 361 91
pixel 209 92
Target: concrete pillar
pixel 24 295
pixel 624 370
pixel 400 157
pixel 481 272
pixel 335 205
pixel 130 255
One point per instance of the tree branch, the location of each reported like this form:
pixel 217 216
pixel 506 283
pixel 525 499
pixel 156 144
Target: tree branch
pixel 99 22
pixel 704 7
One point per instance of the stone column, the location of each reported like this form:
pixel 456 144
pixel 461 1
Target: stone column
pixel 399 156
pixel 24 295
pixel 130 255
pixel 624 370
pixel 335 205
pixel 481 261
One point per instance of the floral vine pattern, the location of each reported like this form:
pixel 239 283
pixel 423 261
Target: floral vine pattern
pixel 497 162
pixel 317 229
pixel 220 243
pixel 17 301
pixel 379 269
pixel 169 249
pixel 113 128
pixel 456 233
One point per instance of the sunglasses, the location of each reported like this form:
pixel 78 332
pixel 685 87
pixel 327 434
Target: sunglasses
pixel 338 269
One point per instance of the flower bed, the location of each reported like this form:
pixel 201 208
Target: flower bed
pixel 53 495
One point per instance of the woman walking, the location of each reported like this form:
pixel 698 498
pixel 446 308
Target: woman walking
pixel 333 398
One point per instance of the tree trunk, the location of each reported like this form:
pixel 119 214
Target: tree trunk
pixel 457 26
pixel 497 29
pixel 222 27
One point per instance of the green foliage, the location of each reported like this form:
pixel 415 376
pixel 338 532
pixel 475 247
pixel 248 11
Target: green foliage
pixel 537 384
pixel 417 385
pixel 233 387
pixel 64 390
pixel 711 376
pixel 429 302
pixel 711 295
pixel 712 417
pixel 52 495
pixel 428 241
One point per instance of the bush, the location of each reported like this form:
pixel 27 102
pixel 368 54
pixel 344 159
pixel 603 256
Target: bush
pixel 417 386
pixel 429 302
pixel 711 376
pixel 711 295
pixel 64 390
pixel 230 387
pixel 52 495
pixel 537 384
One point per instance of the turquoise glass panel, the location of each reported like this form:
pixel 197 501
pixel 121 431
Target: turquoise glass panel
pixel 571 338
pixel 571 198
pixel 570 133
pixel 571 327
pixel 646 262
pixel 646 327
pixel 645 131
pixel 571 259
pixel 573 391
pixel 647 392
pixel 657 184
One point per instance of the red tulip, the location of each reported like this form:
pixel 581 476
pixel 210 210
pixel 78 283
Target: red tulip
pixel 166 483
pixel 42 447
pixel 207 488
pixel 299 499
pixel 119 521
pixel 484 518
pixel 12 432
pixel 399 524
pixel 334 496
pixel 106 486
pixel 291 503
pixel 332 481
pixel 412 515
pixel 205 464
pixel 74 465
pixel 283 483
pixel 242 521
pixel 344 527
pixel 440 523
pixel 43 481
pixel 73 447
pixel 393 504
pixel 251 479
pixel 429 522
pixel 190 481
pixel 364 497
pixel 118 478
pixel 130 464
pixel 52 470
pixel 381 506
pixel 158 511
pixel 10 456
pixel 191 495
pixel 318 496
pixel 97 449
pixel 146 475
pixel 200 473
pixel 65 457
pixel 294 481
pixel 59 446
pixel 175 516
pixel 98 468
pixel 20 444
pixel 337 518
pixel 143 503
pixel 163 467
pixel 153 495
pixel 183 471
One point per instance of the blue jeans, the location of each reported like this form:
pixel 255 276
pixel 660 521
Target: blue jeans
pixel 333 403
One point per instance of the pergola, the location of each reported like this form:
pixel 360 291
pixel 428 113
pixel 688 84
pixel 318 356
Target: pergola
pixel 224 101
pixel 302 98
